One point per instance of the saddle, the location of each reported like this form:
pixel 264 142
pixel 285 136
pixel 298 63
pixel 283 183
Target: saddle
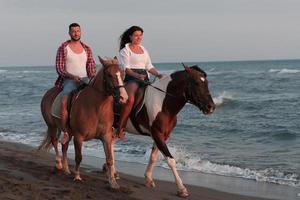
pixel 148 102
pixel 56 111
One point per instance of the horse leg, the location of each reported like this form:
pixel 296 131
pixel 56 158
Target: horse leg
pixel 149 169
pixel 65 157
pixel 182 191
pixel 104 167
pixel 78 156
pixel 54 140
pixel 161 144
pixel 114 171
pixel 108 148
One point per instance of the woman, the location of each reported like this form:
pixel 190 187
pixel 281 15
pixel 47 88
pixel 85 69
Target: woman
pixel 135 60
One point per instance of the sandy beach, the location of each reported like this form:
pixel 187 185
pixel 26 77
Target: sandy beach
pixel 28 174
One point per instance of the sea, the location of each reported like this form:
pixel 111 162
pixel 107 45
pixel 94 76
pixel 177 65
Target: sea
pixel 253 134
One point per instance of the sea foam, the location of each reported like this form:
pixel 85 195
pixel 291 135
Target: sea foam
pixel 189 162
pixel 222 98
pixel 284 71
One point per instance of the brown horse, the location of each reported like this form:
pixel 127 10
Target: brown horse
pixel 155 114
pixel 91 117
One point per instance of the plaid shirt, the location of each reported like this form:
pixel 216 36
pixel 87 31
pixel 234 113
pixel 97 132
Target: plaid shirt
pixel 61 63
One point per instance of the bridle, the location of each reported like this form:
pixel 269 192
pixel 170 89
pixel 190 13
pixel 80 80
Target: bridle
pixel 189 91
pixel 113 89
pixel 186 96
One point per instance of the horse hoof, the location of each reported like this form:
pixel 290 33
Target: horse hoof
pixel 58 165
pixel 104 168
pixel 115 187
pixel 77 179
pixel 58 168
pixel 56 171
pixel 183 193
pixel 68 172
pixel 117 177
pixel 150 184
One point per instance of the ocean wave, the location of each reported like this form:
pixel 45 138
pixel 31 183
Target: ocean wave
pixel 284 71
pixel 213 71
pixel 3 70
pixel 5 130
pixel 166 72
pixel 188 162
pixel 284 135
pixel 37 72
pixel 222 98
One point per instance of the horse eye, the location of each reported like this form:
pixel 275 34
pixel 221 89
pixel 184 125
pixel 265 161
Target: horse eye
pixel 197 83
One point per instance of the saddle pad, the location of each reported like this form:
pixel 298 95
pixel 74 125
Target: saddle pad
pixel 154 98
pixel 56 112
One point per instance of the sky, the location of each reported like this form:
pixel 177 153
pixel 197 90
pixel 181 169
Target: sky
pixel 174 30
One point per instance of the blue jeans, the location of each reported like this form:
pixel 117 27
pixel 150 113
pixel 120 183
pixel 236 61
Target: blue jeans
pixel 70 85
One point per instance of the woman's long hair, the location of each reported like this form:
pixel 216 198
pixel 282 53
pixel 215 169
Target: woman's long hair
pixel 125 37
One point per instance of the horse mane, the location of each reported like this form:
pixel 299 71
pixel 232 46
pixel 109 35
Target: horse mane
pixel 110 61
pixel 194 67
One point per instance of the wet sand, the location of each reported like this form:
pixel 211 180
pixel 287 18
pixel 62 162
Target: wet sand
pixel 28 174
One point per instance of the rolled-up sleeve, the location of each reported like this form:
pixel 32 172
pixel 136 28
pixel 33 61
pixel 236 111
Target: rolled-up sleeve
pixel 90 65
pixel 60 61
pixel 124 58
pixel 148 61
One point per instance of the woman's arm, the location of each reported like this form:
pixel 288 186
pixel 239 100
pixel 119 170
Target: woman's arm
pixel 154 72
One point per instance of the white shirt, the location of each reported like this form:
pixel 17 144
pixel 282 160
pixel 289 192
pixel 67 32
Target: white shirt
pixel 76 63
pixel 131 60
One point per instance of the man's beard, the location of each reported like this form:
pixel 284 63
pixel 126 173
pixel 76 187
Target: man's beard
pixel 74 39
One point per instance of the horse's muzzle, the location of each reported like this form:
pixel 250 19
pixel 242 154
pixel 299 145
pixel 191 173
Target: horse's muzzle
pixel 208 108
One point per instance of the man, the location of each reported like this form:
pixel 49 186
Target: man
pixel 74 64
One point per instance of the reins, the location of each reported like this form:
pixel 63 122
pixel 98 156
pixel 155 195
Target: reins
pixel 171 95
pixel 148 83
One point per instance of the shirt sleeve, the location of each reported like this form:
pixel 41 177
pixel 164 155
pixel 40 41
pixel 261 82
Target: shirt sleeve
pixel 124 57
pixel 60 63
pixel 148 61
pixel 90 64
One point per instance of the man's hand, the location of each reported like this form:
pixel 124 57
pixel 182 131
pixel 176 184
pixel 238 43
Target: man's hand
pixel 76 78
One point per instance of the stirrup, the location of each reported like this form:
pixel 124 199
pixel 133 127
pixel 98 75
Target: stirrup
pixel 64 138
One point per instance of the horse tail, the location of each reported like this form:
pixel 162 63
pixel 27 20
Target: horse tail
pixel 46 143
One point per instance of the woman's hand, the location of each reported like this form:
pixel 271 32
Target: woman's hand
pixel 159 76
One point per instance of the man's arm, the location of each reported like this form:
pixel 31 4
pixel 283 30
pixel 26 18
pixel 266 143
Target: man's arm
pixel 90 64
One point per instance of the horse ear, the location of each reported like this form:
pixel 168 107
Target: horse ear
pixel 115 58
pixel 101 60
pixel 187 68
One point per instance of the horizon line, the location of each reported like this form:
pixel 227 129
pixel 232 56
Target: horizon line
pixel 217 61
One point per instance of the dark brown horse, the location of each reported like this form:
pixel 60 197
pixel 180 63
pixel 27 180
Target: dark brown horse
pixel 155 116
pixel 91 117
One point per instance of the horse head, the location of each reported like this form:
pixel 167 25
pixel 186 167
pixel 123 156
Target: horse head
pixel 197 91
pixel 113 79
